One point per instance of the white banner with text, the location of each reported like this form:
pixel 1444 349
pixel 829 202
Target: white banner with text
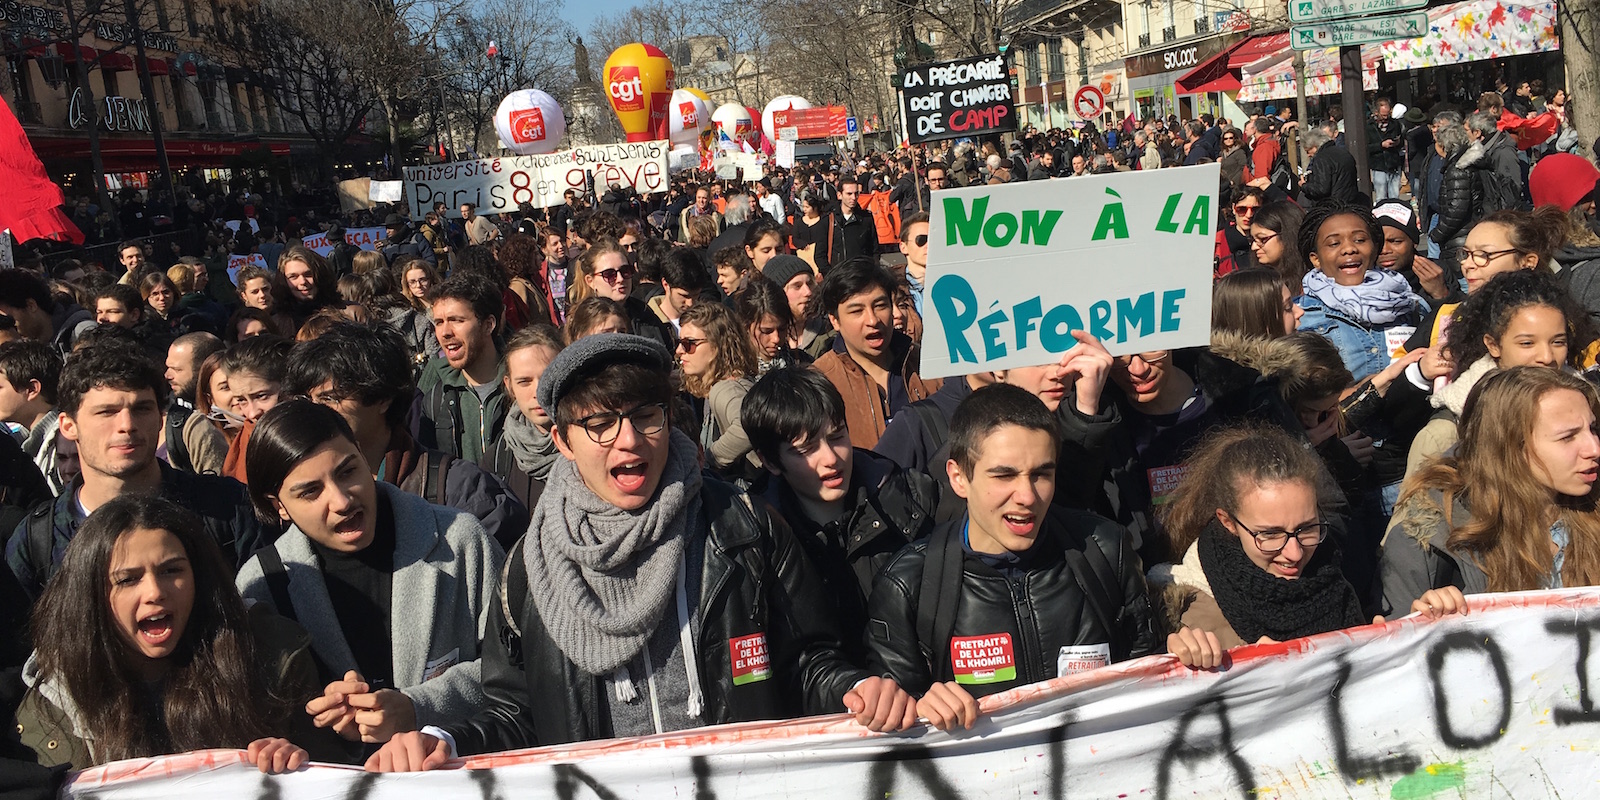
pixel 498 185
pixel 1495 704
pixel 1013 270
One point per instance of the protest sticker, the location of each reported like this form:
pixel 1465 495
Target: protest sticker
pixel 363 238
pixel 1164 481
pixel 1013 270
pixel 955 99
pixel 498 185
pixel 983 659
pixel 751 662
pixel 1074 659
pixel 1394 339
pixel 1497 703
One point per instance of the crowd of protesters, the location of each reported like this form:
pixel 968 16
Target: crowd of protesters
pixel 636 464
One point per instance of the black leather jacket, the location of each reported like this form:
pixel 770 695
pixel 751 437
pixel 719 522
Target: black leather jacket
pixel 754 578
pixel 1039 600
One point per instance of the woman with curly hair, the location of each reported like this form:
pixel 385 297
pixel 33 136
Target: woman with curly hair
pixel 719 367
pixel 519 259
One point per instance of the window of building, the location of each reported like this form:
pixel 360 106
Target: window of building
pixel 1030 62
pixel 162 21
pixel 1058 67
pixel 190 19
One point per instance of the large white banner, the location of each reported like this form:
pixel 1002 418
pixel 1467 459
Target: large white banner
pixel 1496 704
pixel 497 185
pixel 364 238
pixel 1014 269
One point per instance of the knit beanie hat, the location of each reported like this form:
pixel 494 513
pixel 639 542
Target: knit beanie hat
pixel 1562 180
pixel 782 268
pixel 1398 214
pixel 583 358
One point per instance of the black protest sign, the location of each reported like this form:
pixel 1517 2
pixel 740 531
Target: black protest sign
pixel 958 98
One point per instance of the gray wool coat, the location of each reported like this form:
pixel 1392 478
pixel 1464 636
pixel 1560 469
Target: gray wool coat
pixel 446 568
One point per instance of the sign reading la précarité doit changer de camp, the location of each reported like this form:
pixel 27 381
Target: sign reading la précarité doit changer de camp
pixel 1013 270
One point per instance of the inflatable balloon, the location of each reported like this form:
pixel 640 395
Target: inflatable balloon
pixel 639 81
pixel 787 102
pixel 704 98
pixel 530 122
pixel 687 116
pixel 735 121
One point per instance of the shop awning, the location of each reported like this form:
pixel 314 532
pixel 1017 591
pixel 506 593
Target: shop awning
pixel 72 52
pixel 158 66
pixel 1272 78
pixel 1476 31
pixel 115 61
pixel 1223 71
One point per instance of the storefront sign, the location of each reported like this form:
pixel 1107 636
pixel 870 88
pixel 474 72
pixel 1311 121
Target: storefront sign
pixel 1183 56
pixel 1011 275
pixel 117 32
pixel 958 98
pixel 497 185
pixel 1498 703
pixel 121 113
pixel 16 14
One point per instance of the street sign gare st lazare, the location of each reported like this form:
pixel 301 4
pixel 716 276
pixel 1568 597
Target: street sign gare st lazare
pixel 1317 10
pixel 1363 30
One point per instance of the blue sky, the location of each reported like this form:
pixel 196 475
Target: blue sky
pixel 581 13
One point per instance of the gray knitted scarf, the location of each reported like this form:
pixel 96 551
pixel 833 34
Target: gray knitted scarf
pixel 601 578
pixel 534 449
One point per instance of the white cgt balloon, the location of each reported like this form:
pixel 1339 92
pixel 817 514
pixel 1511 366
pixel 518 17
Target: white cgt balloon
pixel 780 103
pixel 687 116
pixel 734 120
pixel 530 122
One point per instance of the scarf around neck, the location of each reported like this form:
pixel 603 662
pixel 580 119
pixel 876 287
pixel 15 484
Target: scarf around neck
pixel 1257 603
pixel 601 578
pixel 535 450
pixel 1382 298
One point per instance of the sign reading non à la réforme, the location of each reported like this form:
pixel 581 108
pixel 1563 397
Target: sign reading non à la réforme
pixel 1361 30
pixel 1014 270
pixel 1315 10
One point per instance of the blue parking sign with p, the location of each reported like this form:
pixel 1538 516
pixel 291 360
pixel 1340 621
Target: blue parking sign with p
pixel 849 124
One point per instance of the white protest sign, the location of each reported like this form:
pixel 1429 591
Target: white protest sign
pixel 1014 269
pixel 1495 704
pixel 236 263
pixel 497 185
pixel 233 225
pixel 364 238
pixel 783 154
pixel 728 166
pixel 384 191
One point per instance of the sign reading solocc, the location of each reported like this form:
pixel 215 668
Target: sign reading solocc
pixel 1013 271
pixel 958 98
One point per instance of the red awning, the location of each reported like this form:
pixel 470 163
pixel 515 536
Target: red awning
pixel 115 61
pixel 190 69
pixel 67 51
pixel 158 66
pixel 1221 72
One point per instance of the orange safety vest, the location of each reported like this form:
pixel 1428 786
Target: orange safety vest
pixel 885 215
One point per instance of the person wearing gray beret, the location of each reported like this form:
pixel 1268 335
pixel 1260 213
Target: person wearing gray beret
pixel 647 596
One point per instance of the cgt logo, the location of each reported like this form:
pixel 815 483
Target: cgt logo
pixel 627 91
pixel 527 125
pixel 691 117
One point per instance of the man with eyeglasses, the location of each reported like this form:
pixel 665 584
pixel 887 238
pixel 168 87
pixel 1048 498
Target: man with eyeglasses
pixel 1161 402
pixel 646 597
pixel 464 403
pixel 914 244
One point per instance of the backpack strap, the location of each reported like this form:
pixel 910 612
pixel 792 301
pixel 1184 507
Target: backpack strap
pixel 41 542
pixel 435 488
pixel 1098 582
pixel 939 597
pixel 277 578
pixel 933 421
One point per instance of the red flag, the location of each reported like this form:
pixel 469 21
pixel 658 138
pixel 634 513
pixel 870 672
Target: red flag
pixel 32 209
pixel 1530 132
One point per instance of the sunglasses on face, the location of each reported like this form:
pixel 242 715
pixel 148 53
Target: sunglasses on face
pixel 612 275
pixel 920 240
pixel 689 345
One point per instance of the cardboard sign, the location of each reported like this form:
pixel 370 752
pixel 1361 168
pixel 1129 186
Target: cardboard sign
pixel 498 185
pixel 983 659
pixel 364 238
pixel 1013 270
pixel 355 194
pixel 954 99
pixel 1498 703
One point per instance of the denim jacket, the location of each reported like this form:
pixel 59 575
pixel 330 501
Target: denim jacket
pixel 1363 348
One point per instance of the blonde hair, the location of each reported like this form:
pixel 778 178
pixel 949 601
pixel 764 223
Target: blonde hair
pixel 182 277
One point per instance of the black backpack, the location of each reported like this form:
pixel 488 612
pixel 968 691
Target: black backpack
pixel 1499 193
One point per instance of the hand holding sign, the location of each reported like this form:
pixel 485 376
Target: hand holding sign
pixel 1087 365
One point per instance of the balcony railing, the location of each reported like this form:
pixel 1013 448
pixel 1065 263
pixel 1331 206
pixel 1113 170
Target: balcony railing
pixel 1169 33
pixel 1144 40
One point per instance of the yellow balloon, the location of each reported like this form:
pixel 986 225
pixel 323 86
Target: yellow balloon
pixel 697 93
pixel 639 82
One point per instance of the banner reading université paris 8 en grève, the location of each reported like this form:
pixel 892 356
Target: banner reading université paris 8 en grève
pixel 499 185
pixel 1013 269
pixel 1497 704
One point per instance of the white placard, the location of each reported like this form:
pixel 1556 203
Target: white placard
pixel 1495 704
pixel 783 154
pixel 498 185
pixel 384 191
pixel 1014 269
pixel 729 165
